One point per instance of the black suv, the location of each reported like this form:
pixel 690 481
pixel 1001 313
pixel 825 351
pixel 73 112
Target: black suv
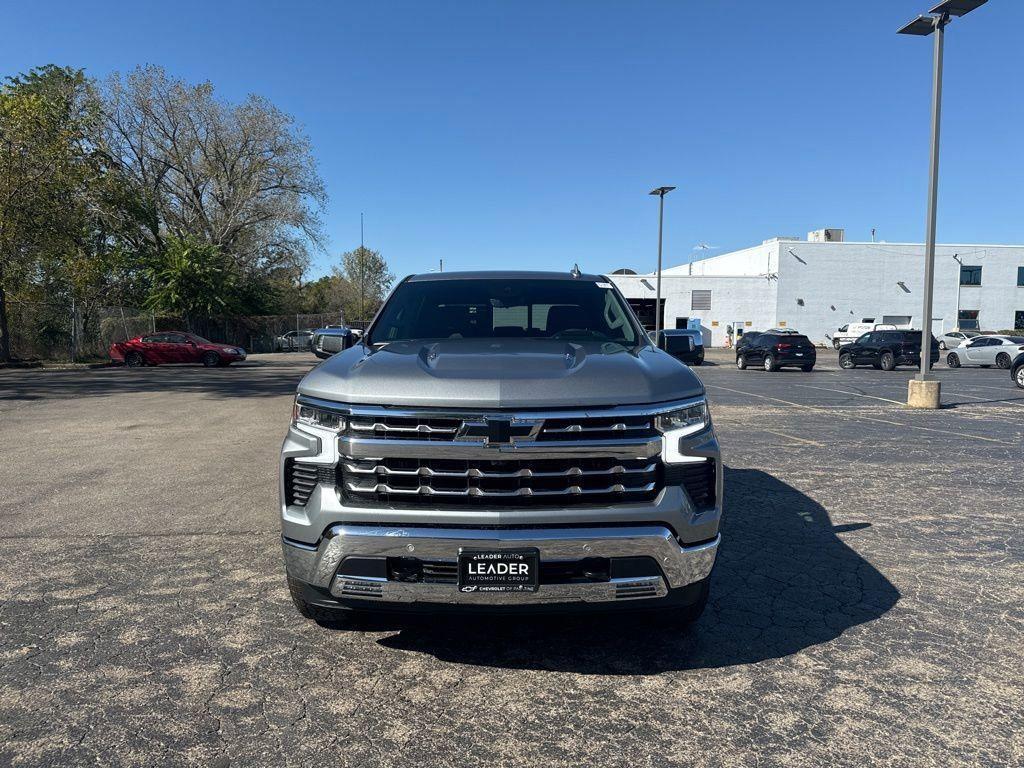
pixel 775 350
pixel 886 350
pixel 744 342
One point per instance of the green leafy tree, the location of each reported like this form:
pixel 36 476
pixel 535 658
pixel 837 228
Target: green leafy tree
pixel 49 168
pixel 192 279
pixel 368 279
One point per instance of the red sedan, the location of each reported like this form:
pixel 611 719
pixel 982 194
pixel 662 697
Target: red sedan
pixel 173 347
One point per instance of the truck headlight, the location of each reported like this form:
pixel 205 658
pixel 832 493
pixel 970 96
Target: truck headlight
pixel 680 423
pixel 303 413
pixel 684 421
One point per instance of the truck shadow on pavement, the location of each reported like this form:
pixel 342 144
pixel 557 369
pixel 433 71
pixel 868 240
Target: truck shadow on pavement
pixel 784 581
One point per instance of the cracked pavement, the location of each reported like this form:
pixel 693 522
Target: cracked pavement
pixel 867 607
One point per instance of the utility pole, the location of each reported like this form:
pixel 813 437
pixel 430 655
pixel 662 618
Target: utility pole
pixel 958 260
pixel 924 391
pixel 362 271
pixel 660 192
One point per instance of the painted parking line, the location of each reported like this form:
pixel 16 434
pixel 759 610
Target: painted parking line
pixel 1009 388
pixel 793 437
pixel 854 417
pixel 856 394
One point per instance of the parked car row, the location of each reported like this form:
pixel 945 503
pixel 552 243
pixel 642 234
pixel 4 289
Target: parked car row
pixel 182 347
pixel 885 349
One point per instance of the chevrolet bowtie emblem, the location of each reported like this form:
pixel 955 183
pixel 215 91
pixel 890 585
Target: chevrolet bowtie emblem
pixel 499 431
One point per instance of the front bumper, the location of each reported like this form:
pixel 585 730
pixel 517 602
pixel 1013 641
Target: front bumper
pixel 324 566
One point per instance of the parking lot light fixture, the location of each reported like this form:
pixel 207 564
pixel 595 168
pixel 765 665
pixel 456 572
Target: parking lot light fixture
pixel 925 391
pixel 660 192
pixel 957 7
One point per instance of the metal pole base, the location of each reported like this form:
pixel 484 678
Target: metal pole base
pixel 924 394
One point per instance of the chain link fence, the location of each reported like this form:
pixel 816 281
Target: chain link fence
pixel 86 331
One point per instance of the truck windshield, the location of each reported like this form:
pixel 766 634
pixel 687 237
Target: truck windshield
pixel 579 310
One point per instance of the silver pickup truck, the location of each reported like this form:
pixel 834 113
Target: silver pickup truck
pixel 501 441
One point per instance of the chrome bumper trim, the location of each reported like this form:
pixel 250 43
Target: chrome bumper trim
pixel 681 565
pixel 595 592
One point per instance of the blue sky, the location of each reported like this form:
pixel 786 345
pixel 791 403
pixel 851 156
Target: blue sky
pixel 527 134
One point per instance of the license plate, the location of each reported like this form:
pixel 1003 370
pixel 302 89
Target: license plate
pixel 500 570
pixel 799 354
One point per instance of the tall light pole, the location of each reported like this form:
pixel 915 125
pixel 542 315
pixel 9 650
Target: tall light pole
pixel 924 391
pixel 959 279
pixel 660 192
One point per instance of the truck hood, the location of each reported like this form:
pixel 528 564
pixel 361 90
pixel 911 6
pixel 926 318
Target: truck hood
pixel 501 373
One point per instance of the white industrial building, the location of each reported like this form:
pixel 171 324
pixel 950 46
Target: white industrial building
pixel 823 282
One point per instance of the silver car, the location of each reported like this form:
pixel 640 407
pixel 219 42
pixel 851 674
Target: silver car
pixel 987 351
pixel 293 341
pixel 954 339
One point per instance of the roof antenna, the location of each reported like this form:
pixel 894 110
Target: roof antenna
pixel 575 271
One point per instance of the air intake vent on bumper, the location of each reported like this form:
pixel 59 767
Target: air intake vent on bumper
pixel 300 478
pixel 697 478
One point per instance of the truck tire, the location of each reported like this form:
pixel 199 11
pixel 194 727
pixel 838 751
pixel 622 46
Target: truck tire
pixel 836 344
pixel 887 361
pixel 769 364
pixel 846 361
pixel 741 362
pixel 325 617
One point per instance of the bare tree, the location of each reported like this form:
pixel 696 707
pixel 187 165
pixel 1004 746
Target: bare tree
pixel 240 177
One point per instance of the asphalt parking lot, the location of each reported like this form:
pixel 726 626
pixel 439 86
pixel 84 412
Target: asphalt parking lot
pixel 867 607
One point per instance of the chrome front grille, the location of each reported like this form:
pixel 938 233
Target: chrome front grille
pixel 552 457
pixel 594 428
pixel 500 481
pixel 388 424
pixel 406 428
